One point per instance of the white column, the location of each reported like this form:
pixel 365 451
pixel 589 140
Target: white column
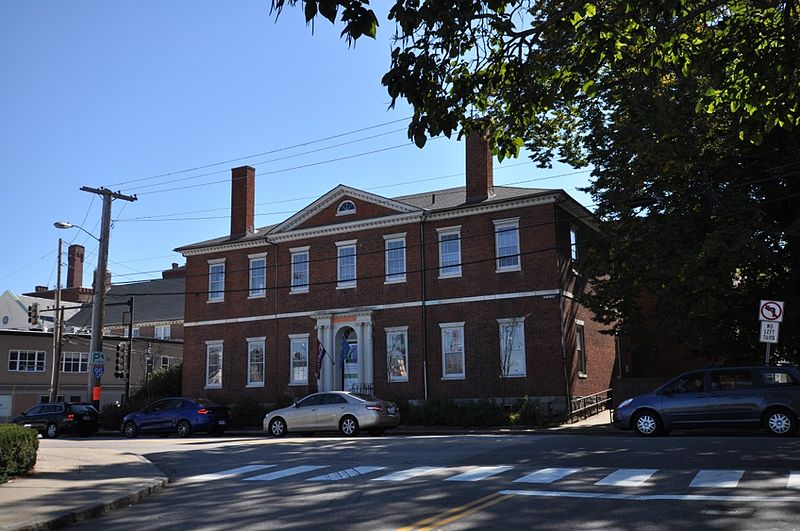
pixel 369 376
pixel 362 352
pixel 329 367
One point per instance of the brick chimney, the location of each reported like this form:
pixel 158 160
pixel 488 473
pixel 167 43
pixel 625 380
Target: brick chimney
pixel 480 179
pixel 75 266
pixel 243 197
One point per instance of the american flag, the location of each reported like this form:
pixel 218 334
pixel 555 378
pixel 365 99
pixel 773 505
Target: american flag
pixel 321 353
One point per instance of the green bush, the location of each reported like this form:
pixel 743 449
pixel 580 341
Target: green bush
pixel 449 413
pixel 526 413
pixel 248 413
pixel 18 447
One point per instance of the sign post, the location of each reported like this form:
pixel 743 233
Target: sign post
pixel 770 313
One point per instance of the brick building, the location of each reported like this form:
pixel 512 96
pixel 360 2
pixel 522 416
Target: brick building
pixel 462 293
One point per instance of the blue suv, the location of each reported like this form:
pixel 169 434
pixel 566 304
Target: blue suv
pixel 758 396
pixel 179 415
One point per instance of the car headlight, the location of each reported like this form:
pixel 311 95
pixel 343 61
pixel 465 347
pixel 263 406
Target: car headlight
pixel 625 403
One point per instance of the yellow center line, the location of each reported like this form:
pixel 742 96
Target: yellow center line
pixel 457 513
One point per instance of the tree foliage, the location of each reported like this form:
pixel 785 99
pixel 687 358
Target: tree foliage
pixel 687 110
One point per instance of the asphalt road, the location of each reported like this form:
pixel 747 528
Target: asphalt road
pixel 711 481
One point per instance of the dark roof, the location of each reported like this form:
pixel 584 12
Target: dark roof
pixel 454 197
pixel 434 200
pixel 153 301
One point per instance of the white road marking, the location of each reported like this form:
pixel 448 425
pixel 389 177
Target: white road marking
pixel 717 479
pixel 409 473
pixel 270 476
pixel 547 475
pixel 479 473
pixel 347 474
pixel 650 497
pixel 794 480
pixel 225 473
pixel 627 477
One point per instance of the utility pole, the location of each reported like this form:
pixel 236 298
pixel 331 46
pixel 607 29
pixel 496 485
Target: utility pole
pixel 56 333
pixel 98 303
pixel 128 354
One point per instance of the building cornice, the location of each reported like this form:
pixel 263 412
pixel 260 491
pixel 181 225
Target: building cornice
pixel 224 247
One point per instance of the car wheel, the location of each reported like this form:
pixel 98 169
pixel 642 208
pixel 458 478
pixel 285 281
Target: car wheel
pixel 647 424
pixel 130 430
pixel 51 431
pixel 277 427
pixel 183 428
pixel 780 422
pixel 348 426
pixel 376 432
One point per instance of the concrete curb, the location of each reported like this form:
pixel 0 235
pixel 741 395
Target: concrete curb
pixel 94 510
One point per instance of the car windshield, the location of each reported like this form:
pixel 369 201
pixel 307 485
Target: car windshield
pixel 83 408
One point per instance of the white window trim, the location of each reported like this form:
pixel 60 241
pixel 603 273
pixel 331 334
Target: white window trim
pixel 394 330
pixel 155 331
pixel 82 356
pixel 212 262
pixel 500 224
pixel 395 279
pixel 221 363
pixel 573 245
pixel 581 374
pixel 292 339
pixel 340 212
pixel 250 258
pixel 446 231
pixel 263 341
pixel 442 328
pixel 293 251
pixel 510 321
pixel 348 284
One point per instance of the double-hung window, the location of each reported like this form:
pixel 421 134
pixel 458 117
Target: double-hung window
pixel 580 348
pixel 74 362
pixel 397 353
pixel 255 362
pixel 512 347
pixel 449 252
pixel 26 361
pixel 506 240
pixel 573 242
pixel 258 275
pixel 452 351
pixel 298 361
pixel 299 270
pixel 162 332
pixel 346 264
pixel 213 364
pixel 216 280
pixel 395 257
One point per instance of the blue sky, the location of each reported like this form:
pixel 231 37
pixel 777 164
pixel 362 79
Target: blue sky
pixel 132 95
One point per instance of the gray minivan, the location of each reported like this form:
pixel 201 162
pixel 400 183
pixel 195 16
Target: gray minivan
pixel 759 396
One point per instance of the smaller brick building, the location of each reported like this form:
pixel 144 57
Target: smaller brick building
pixel 463 293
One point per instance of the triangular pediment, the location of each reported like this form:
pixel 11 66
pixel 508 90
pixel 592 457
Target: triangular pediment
pixel 326 209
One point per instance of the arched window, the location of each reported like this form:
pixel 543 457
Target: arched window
pixel 346 207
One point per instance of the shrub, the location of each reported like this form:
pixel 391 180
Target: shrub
pixel 18 447
pixel 449 413
pixel 526 414
pixel 248 413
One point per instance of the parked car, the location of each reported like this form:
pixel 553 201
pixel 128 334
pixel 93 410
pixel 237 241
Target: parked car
pixel 51 420
pixel 341 411
pixel 758 396
pixel 179 415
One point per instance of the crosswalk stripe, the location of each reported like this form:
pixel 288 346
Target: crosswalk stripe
pixel 226 473
pixel 547 475
pixel 408 474
pixel 347 474
pixel 479 473
pixel 721 479
pixel 627 477
pixel 270 476
pixel 794 480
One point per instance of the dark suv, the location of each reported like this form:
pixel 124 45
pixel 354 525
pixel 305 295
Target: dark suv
pixel 51 420
pixel 759 396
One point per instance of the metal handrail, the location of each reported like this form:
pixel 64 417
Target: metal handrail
pixel 585 406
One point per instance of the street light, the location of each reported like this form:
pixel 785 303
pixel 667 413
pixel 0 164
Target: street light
pixel 98 303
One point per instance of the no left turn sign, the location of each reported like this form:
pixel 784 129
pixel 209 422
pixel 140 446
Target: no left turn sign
pixel 771 311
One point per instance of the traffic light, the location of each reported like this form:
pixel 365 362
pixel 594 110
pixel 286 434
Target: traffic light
pixel 149 364
pixel 33 313
pixel 119 363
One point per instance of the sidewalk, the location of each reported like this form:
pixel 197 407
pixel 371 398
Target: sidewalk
pixel 72 484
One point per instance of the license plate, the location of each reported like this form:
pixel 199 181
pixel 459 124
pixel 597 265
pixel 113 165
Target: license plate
pixel 87 417
pixel 221 422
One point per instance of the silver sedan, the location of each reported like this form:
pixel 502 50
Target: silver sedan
pixel 333 411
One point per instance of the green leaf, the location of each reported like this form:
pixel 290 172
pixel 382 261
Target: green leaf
pixel 734 106
pixel 311 10
pixel 420 139
pixel 590 10
pixel 589 89
pixel 327 8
